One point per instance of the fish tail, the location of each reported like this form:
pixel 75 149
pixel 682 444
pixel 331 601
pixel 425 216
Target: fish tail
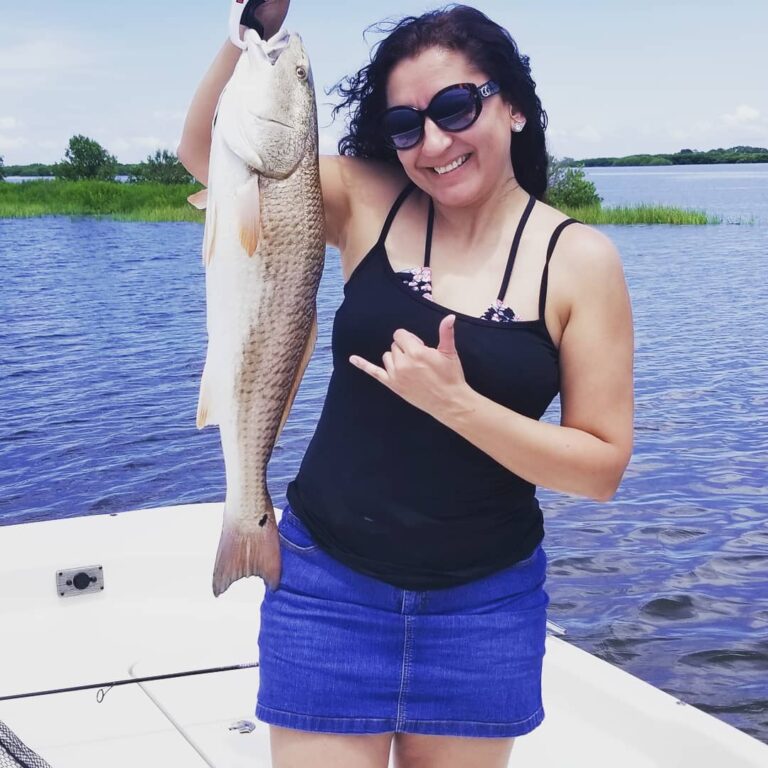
pixel 247 552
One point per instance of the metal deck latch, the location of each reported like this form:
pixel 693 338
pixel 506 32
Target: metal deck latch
pixel 243 726
pixel 80 581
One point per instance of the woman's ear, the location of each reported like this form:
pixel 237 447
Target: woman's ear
pixel 516 119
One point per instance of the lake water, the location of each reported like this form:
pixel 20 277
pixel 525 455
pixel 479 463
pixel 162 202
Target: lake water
pixel 103 341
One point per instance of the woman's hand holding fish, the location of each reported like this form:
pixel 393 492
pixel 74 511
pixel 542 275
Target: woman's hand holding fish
pixel 270 13
pixel 429 378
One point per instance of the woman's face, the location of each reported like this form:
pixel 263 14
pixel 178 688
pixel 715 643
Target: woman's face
pixel 484 146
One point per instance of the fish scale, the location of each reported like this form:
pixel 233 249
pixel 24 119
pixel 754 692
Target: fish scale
pixel 284 244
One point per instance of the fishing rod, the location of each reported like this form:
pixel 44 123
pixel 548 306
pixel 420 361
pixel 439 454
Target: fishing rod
pixel 105 687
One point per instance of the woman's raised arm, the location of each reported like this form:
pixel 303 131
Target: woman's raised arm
pixel 195 145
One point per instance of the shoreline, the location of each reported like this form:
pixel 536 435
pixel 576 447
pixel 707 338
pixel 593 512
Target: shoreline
pixel 153 202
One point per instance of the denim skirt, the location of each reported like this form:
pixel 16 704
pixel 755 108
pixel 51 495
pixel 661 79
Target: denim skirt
pixel 342 652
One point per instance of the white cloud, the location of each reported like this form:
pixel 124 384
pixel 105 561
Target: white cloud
pixel 729 129
pixel 696 131
pixel 744 115
pixel 134 149
pixel 150 142
pixel 170 115
pixel 9 123
pixel 588 133
pixel 12 142
pixel 41 61
pixel 584 141
pixel 583 133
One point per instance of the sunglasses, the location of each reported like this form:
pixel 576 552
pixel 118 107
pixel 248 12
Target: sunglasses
pixel 452 109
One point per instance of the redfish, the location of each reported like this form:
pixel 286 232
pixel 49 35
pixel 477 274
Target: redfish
pixel 263 250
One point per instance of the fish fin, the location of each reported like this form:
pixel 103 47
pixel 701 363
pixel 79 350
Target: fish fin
pixel 199 199
pixel 243 552
pixel 308 350
pixel 205 415
pixel 249 206
pixel 209 238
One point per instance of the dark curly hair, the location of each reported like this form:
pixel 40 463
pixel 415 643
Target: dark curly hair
pixel 488 46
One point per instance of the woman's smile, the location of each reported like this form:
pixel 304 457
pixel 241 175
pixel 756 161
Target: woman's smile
pixel 459 162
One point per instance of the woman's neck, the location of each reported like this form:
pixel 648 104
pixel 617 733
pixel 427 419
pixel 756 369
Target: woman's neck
pixel 478 227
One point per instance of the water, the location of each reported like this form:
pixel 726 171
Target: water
pixel 102 343
pixel 737 192
pixel 22 179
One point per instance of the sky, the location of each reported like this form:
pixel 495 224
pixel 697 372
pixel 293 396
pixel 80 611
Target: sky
pixel 615 77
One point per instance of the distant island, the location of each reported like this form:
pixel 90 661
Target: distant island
pixel 683 157
pixel 89 181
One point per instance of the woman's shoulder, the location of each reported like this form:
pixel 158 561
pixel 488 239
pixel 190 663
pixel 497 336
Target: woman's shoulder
pixel 581 246
pixel 585 262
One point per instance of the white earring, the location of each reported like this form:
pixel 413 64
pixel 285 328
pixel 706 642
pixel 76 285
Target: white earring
pixel 518 127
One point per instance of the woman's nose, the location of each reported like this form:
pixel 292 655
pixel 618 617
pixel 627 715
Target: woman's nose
pixel 436 140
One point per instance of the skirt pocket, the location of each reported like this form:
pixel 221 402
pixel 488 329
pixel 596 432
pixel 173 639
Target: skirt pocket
pixel 526 561
pixel 294 534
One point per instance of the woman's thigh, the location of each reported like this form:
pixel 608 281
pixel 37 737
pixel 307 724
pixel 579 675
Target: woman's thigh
pixel 416 750
pixel 293 748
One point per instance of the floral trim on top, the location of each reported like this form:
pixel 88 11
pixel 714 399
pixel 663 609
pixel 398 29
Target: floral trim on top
pixel 420 280
pixel 500 312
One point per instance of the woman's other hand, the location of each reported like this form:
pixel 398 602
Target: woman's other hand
pixel 429 378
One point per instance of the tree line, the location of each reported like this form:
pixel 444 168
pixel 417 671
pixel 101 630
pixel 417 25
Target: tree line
pixel 85 158
pixel 740 154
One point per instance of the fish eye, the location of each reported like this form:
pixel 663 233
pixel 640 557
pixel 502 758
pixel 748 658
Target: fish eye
pixel 301 73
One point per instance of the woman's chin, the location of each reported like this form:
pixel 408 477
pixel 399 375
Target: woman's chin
pixel 458 193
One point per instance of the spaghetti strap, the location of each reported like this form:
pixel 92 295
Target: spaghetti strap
pixel 430 226
pixel 515 244
pixel 545 274
pixel 393 211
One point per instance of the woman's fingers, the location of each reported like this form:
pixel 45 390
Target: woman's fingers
pixel 406 338
pixel 398 354
pixel 369 368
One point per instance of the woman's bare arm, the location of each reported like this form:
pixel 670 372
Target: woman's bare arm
pixel 195 146
pixel 587 454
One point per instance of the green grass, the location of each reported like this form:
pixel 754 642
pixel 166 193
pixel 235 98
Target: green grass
pixel 168 202
pixel 127 202
pixel 640 214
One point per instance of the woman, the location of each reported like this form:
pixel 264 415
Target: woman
pixel 411 609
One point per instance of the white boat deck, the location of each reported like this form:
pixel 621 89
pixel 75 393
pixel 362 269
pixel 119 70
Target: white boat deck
pixel 157 615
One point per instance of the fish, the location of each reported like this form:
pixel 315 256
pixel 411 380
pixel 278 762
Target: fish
pixel 263 251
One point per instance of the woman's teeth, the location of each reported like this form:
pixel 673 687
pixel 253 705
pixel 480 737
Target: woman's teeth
pixel 452 166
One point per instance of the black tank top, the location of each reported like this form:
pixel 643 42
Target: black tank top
pixel 387 489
